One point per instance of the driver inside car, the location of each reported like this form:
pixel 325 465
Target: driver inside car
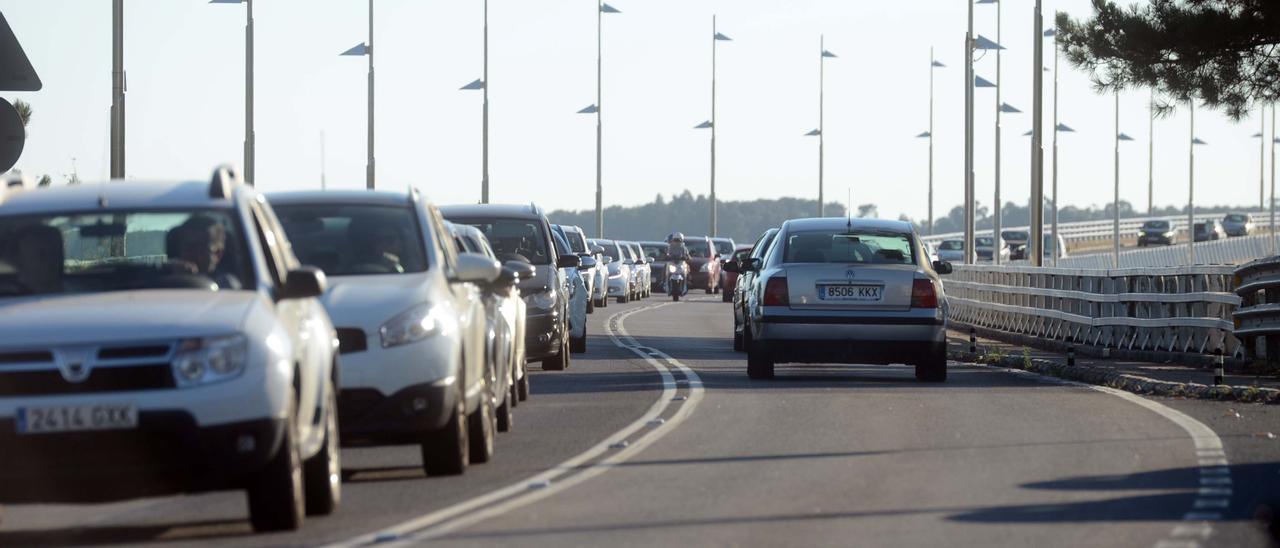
pixel 38 255
pixel 197 246
pixel 377 245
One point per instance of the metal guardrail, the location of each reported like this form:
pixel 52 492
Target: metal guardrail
pixel 1229 251
pixel 1083 231
pixel 1258 316
pixel 1182 309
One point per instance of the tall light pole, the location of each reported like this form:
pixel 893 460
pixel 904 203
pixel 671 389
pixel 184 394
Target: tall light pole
pixel 1191 184
pixel 711 124
pixel 483 85
pixel 1115 201
pixel 933 64
pixel 366 49
pixel 1261 135
pixel 117 89
pixel 968 139
pixel 597 109
pixel 1272 205
pixel 820 132
pixel 1036 240
pixel 1151 153
pixel 995 255
pixel 248 87
pixel 1053 242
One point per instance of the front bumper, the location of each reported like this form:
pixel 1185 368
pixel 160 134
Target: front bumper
pixel 544 334
pixel 701 280
pixel 619 287
pixel 1158 239
pixel 167 453
pixel 369 417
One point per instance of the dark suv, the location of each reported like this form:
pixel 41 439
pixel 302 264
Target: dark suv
pixel 522 233
pixel 1157 232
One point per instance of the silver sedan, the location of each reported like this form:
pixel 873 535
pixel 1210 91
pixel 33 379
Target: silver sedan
pixel 846 291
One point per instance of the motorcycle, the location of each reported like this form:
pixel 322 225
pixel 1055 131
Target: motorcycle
pixel 677 279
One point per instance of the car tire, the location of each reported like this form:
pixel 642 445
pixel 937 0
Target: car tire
pixel 322 473
pixel 737 341
pixel 934 369
pixel 578 345
pixel 446 452
pixel 624 299
pixel 276 494
pixel 481 424
pixel 513 393
pixel 560 361
pixel 506 415
pixel 591 306
pixel 604 302
pixel 725 295
pixel 759 362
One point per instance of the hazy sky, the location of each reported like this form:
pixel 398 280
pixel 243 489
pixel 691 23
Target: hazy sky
pixel 184 60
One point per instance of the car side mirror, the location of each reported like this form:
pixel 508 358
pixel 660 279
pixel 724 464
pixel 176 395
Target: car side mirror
pixel 942 267
pixel 304 283
pixel 475 268
pixel 522 270
pixel 568 261
pixel 586 263
pixel 731 266
pixel 751 265
pixel 606 259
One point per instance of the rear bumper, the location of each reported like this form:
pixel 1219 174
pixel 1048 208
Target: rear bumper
pixel 167 453
pixel 851 352
pixel 909 337
pixel 368 417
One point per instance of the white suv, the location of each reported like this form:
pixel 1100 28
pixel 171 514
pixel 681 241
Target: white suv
pixel 162 338
pixel 411 321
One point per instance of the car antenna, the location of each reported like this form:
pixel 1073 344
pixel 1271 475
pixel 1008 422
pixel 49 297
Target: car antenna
pixel 848 209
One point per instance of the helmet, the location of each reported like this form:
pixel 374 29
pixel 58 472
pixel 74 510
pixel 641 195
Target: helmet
pixel 675 237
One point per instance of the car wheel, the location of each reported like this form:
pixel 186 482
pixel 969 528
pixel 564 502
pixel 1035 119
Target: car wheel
pixel 322 473
pixel 934 369
pixel 276 494
pixel 759 361
pixel 624 298
pixel 591 305
pixel 445 451
pixel 522 390
pixel 725 295
pixel 513 393
pixel 737 341
pixel 506 416
pixel 480 426
pixel 560 361
pixel 578 345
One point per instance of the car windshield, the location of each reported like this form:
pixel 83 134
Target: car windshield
pixel 122 250
pixel 514 239
pixel 1157 225
pixel 576 241
pixel 698 248
pixel 1235 218
pixel 654 251
pixel 561 243
pixel 984 241
pixel 832 246
pixel 1017 235
pixel 951 245
pixel 355 239
pixel 723 247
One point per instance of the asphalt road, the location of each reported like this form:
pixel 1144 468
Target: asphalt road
pixel 656 437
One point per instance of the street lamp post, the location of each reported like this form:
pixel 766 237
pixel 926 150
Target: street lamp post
pixel 366 49
pixel 1053 242
pixel 820 132
pixel 1191 184
pixel 995 256
pixel 711 123
pixel 117 89
pixel 1036 240
pixel 1115 202
pixel 482 84
pixel 1151 153
pixel 597 109
pixel 968 138
pixel 933 64
pixel 249 142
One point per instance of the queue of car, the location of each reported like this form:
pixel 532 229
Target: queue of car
pixel 180 337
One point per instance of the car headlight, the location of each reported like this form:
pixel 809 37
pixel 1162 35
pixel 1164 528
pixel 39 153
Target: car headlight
pixel 208 360
pixel 413 325
pixel 671 269
pixel 542 300
pixel 706 267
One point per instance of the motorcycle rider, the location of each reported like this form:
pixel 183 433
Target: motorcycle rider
pixel 676 251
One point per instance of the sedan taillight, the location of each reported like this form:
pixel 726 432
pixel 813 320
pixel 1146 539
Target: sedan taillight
pixel 923 294
pixel 776 293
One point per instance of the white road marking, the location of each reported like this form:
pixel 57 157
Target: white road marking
pixel 568 473
pixel 1213 470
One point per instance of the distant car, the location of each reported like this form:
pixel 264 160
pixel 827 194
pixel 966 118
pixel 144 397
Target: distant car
pixel 1237 224
pixel 618 283
pixel 724 249
pixel 592 276
pixel 643 269
pixel 633 259
pixel 1016 241
pixel 1048 249
pixel 1157 232
pixel 746 278
pixel 161 338
pixel 1209 230
pixel 986 247
pixel 846 291
pixel 731 267
pixel 951 250
pixel 522 233
pixel 704 264
pixel 656 253
pixel 576 286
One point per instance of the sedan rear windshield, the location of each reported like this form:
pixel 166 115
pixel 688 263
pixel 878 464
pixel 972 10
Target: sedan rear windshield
pixel 654 251
pixel 514 239
pixel 951 245
pixel 355 239
pixel 1235 218
pixel 1157 225
pixel 833 246
pixel 122 250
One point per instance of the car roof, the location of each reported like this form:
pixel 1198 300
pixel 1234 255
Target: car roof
pixel 827 223
pixel 718 239
pixel 113 195
pixel 363 197
pixel 652 242
pixel 506 211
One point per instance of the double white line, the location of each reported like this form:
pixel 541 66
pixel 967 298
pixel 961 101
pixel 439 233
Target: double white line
pixel 657 422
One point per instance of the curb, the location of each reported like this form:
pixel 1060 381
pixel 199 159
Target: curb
pixel 1122 381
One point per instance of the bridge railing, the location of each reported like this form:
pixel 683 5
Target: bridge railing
pixel 1229 251
pixel 1075 233
pixel 1175 310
